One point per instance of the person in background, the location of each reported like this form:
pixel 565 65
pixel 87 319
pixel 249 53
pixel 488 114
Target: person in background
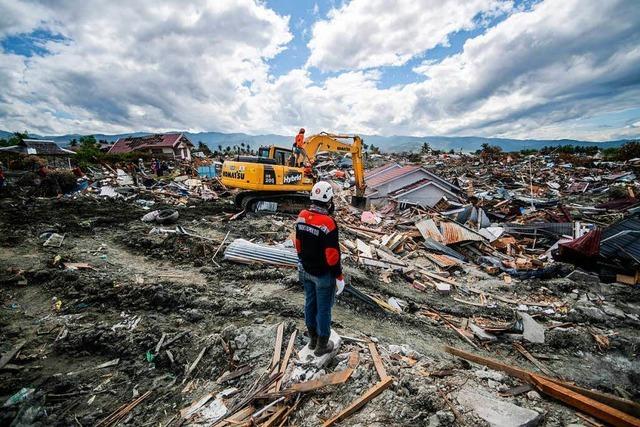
pixel 42 171
pixel 133 171
pixel 154 167
pixel 298 146
pixel 319 265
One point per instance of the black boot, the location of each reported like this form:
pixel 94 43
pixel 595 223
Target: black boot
pixel 324 346
pixel 313 339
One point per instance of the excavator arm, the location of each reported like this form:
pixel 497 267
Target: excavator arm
pixel 332 143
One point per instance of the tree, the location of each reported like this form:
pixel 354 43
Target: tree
pixel 374 149
pixel 629 150
pixel 489 152
pixel 73 142
pixel 89 149
pixel 204 148
pixel 426 148
pixel 89 142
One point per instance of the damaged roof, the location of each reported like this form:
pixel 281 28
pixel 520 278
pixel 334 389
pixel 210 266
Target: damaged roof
pixel 132 143
pixel 38 147
pixel 622 239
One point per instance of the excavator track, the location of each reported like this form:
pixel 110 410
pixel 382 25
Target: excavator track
pixel 287 201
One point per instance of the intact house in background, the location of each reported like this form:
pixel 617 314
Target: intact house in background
pixel 410 185
pixel 168 145
pixel 47 149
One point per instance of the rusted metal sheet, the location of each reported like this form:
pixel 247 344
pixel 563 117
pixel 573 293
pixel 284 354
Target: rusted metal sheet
pixel 454 233
pixel 428 228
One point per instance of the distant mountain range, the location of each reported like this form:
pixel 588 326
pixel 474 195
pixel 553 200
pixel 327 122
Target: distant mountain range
pixel 385 143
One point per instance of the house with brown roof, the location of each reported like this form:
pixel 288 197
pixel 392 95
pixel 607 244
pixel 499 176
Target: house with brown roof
pixel 44 148
pixel 166 145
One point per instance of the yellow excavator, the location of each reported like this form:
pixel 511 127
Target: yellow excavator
pixel 277 175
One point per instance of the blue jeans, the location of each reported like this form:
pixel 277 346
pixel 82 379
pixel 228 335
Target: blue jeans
pixel 319 295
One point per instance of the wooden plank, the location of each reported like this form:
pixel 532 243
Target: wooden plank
pixel 234 374
pixel 377 361
pixel 592 407
pixel 287 355
pixel 624 405
pixel 6 358
pixel 532 359
pixel 329 379
pixel 277 350
pixel 361 401
pixel 275 417
pixel 437 277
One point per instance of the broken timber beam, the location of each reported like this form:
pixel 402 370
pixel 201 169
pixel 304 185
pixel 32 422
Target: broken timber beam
pixel 532 359
pixel 287 355
pixel 277 351
pixel 6 358
pixel 361 401
pixel 377 361
pixel 329 379
pixel 585 404
pixel 624 405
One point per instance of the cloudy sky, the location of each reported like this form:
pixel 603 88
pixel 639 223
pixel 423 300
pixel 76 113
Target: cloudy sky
pixel 523 69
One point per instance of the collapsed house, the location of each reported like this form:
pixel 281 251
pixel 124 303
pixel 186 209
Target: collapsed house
pixel 410 185
pixel 169 145
pixel 44 148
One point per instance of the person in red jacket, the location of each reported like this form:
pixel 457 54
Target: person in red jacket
pixel 319 265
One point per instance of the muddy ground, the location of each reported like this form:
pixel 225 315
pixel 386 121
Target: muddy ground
pixel 141 286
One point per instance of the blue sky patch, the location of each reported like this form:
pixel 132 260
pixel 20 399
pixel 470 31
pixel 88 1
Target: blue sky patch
pixel 30 44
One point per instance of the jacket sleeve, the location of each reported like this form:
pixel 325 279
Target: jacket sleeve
pixel 332 252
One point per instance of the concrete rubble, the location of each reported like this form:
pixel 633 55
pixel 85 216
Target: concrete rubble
pixel 155 301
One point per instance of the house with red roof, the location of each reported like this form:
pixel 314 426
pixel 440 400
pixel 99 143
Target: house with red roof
pixel 166 145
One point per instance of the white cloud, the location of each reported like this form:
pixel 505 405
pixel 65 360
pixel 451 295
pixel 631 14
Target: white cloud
pixel 371 33
pixel 563 60
pixel 204 66
pixel 145 66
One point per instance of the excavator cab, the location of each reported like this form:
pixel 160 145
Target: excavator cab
pixel 279 154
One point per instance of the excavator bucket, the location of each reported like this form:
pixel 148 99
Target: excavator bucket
pixel 359 202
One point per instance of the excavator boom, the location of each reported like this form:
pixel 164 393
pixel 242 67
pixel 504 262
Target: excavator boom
pixel 332 143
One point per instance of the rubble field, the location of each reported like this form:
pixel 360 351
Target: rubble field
pixel 121 321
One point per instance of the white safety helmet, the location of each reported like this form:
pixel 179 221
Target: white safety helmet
pixel 322 192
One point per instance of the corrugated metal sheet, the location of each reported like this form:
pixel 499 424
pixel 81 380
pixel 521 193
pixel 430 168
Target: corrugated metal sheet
pixel 624 234
pixel 246 252
pixel 438 247
pixel 428 228
pixel 390 175
pixel 371 172
pixel 454 233
pixel 553 228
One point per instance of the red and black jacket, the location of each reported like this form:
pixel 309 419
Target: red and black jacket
pixel 317 243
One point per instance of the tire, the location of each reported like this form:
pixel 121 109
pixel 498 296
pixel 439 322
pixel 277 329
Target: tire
pixel 167 216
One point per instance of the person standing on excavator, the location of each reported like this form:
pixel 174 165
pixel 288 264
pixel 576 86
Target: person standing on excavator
pixel 319 265
pixel 298 146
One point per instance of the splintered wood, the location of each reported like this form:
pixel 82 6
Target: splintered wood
pixel 385 382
